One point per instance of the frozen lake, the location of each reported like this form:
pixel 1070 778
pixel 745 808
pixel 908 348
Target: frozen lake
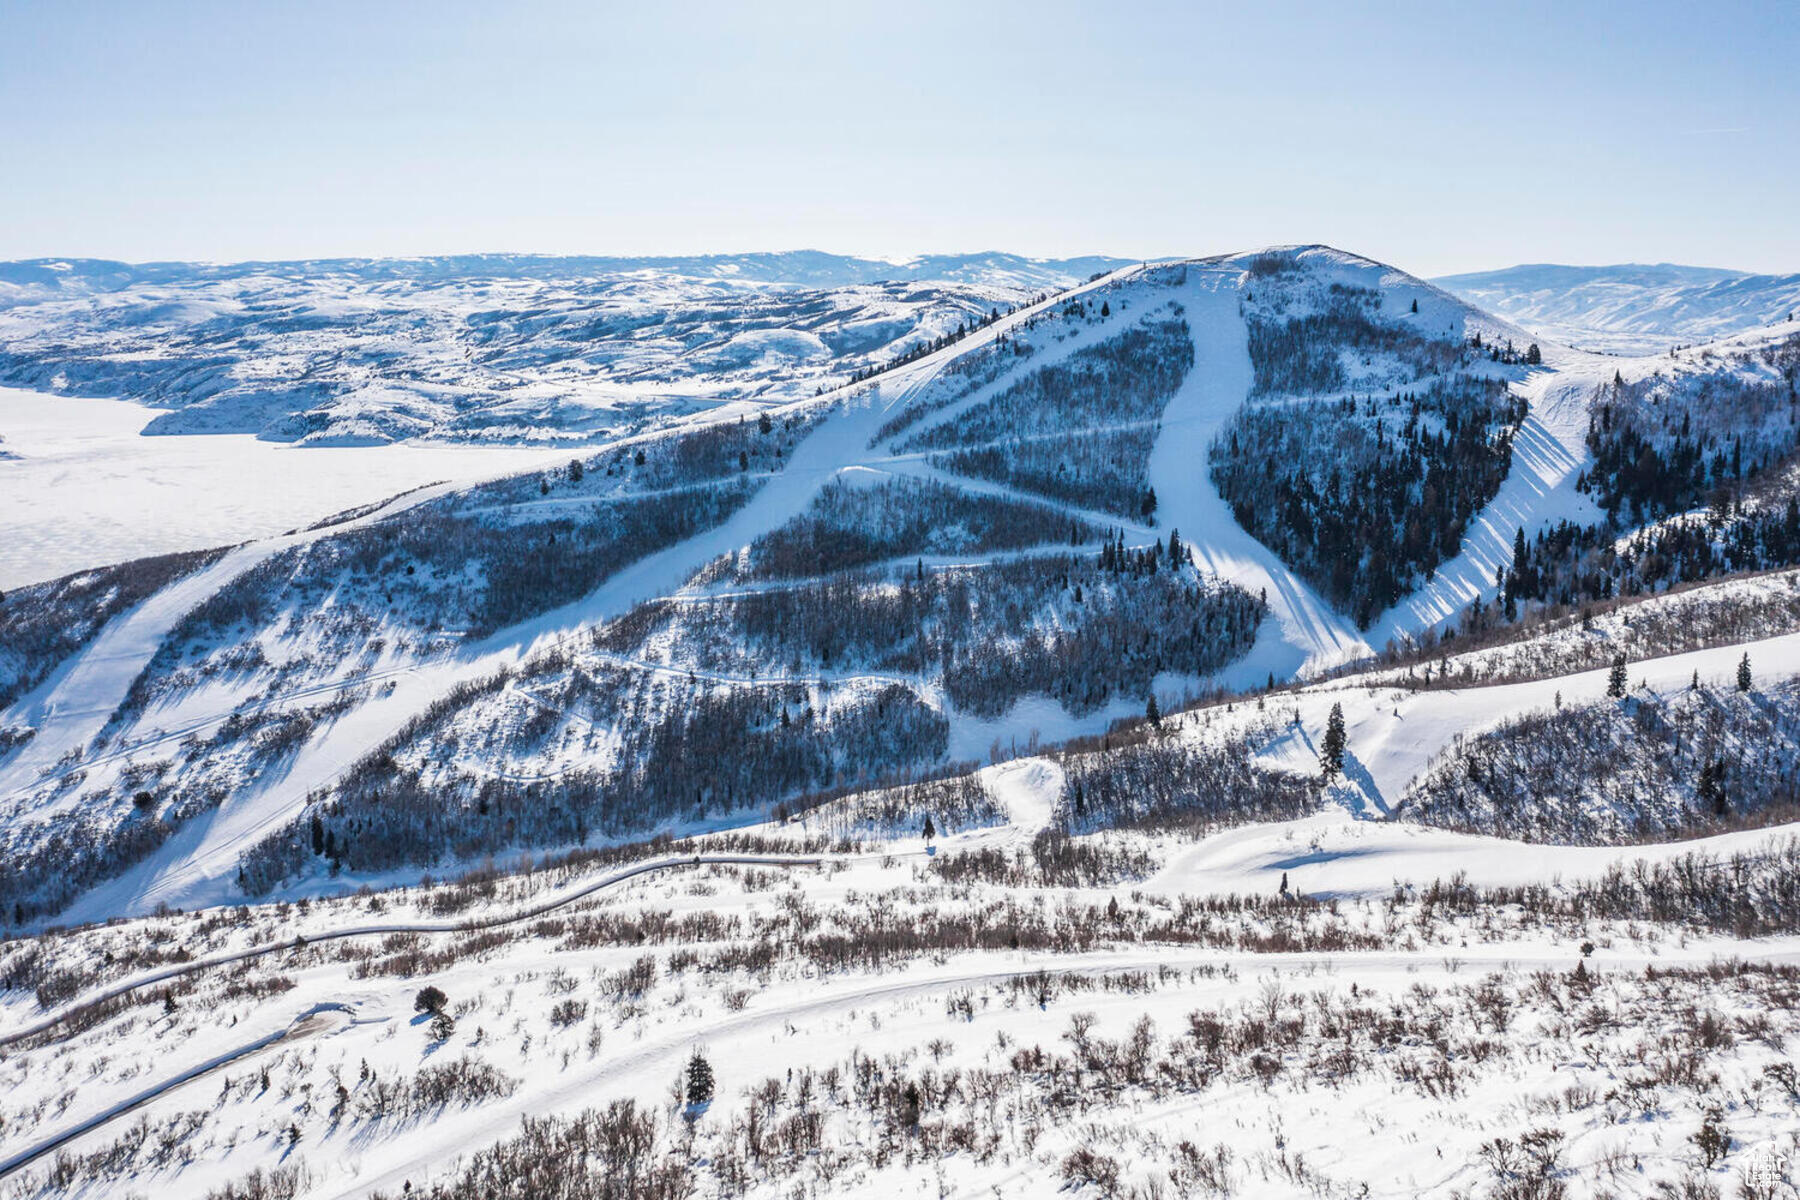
pixel 87 489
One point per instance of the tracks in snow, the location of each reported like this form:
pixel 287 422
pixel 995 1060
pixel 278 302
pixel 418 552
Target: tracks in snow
pixel 317 1020
pixel 530 912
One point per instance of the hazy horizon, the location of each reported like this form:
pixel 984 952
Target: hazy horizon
pixel 1438 140
pixel 896 259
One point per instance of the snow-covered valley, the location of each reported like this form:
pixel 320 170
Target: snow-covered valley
pixel 81 488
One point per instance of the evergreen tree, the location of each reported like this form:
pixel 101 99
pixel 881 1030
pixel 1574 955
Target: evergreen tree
pixel 1533 356
pixel 699 1080
pixel 1148 508
pixel 575 471
pixel 1743 675
pixel 1711 790
pixel 1152 713
pixel 1105 309
pixel 1415 308
pixel 1615 683
pixel 930 828
pixel 1331 752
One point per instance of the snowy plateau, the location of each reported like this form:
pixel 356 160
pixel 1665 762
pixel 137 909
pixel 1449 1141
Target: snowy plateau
pixel 799 726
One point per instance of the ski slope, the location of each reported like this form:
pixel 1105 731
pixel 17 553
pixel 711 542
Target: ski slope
pixel 1302 633
pixel 198 864
pixel 1548 455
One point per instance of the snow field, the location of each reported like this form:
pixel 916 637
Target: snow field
pixel 1290 1118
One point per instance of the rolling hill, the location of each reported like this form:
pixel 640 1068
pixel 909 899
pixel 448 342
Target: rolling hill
pixel 1118 748
pixel 1630 309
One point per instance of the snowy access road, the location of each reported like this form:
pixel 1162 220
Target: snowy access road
pixel 529 912
pixel 318 1019
pixel 762 1039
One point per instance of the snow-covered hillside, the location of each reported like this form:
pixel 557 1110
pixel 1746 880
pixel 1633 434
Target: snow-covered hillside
pixel 80 488
pixel 461 633
pixel 494 348
pixel 1006 542
pixel 1187 736
pixel 1630 309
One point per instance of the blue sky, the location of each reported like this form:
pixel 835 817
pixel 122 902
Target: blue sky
pixel 1437 136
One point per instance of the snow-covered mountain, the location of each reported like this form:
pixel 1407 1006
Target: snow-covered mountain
pixel 1145 744
pixel 1632 308
pixel 484 348
pixel 1031 487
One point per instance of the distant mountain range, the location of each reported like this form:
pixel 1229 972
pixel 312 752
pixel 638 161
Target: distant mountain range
pixel 484 347
pixel 1630 308
pixel 47 278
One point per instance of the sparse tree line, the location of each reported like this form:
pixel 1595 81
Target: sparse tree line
pixel 1635 768
pixel 42 624
pixel 920 349
pixel 432 567
pixel 955 802
pixel 1178 784
pixel 1054 859
pixel 708 454
pixel 441 575
pixel 1559 639
pixel 961 378
pixel 1661 445
pixel 1125 379
pixel 1568 566
pixel 1507 355
pixel 1304 355
pixel 692 753
pixel 854 526
pixel 1079 628
pixel 1107 470
pixel 1365 499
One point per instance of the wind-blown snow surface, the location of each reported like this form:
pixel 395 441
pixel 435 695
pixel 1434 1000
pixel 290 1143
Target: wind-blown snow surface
pixel 1630 309
pixel 81 488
